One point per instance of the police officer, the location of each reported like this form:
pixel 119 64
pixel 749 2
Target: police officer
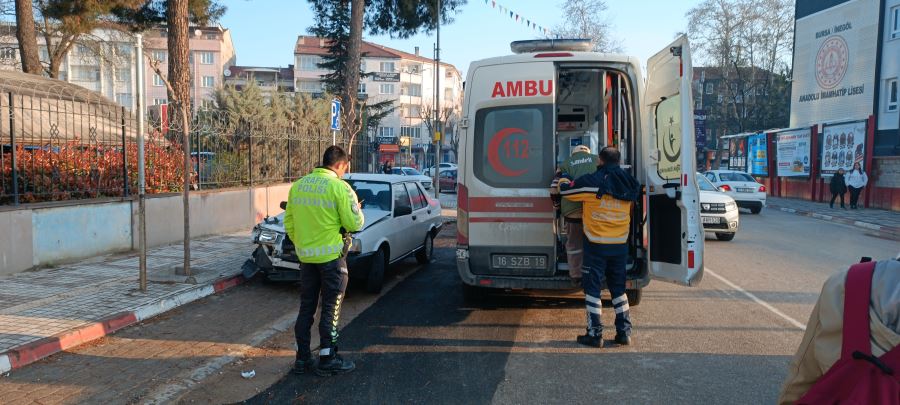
pixel 319 206
pixel 581 162
pixel 607 197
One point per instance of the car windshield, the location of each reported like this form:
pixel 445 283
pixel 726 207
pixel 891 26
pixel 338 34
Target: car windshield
pixel 735 176
pixel 705 184
pixel 375 195
pixel 411 172
pixel 396 171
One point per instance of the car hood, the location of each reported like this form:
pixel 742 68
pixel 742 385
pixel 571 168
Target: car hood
pixel 372 215
pixel 714 197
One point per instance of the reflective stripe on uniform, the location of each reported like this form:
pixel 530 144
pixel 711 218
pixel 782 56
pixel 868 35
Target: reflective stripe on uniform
pixel 321 251
pixel 606 240
pixel 621 298
pixel 591 299
pixel 593 310
pixel 623 308
pixel 591 190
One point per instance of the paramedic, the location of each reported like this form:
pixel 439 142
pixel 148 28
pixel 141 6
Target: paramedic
pixel 607 197
pixel 319 206
pixel 581 162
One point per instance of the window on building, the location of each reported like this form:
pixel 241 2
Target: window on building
pixel 448 94
pixel 85 73
pixel 414 68
pixel 697 105
pixel 709 88
pixel 310 63
pixel 386 89
pixel 160 101
pixel 895 22
pixel 206 58
pixel 411 89
pixel 386 132
pixel 890 91
pixel 212 36
pixel 362 88
pixel 413 111
pixel 124 50
pixel 207 104
pixel 158 81
pixel 362 65
pixel 721 98
pixel 159 55
pixel 309 86
pixel 8 53
pixel 387 67
pixel 83 50
pixel 123 99
pixel 123 75
pixel 413 132
pixel 209 81
pixel 44 54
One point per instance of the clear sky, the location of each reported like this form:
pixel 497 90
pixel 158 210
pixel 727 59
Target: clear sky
pixel 264 31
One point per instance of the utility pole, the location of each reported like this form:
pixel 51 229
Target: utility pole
pixel 437 107
pixel 142 212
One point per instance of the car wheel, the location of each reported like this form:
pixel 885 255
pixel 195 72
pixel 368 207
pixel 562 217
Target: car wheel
pixel 725 236
pixel 376 272
pixel 424 255
pixel 634 296
pixel 755 210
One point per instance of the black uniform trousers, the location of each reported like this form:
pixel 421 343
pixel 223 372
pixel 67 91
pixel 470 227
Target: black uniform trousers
pixel 330 281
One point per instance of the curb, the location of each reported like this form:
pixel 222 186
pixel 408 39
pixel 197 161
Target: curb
pixel 32 352
pixel 887 231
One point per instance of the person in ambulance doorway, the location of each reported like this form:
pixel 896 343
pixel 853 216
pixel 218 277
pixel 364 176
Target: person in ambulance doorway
pixel 607 197
pixel 321 208
pixel 581 163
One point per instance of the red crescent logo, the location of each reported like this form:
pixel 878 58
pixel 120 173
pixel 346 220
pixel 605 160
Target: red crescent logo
pixel 494 152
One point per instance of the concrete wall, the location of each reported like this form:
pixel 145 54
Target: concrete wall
pixel 45 235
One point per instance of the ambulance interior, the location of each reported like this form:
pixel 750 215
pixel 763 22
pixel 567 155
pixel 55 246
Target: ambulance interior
pixel 595 107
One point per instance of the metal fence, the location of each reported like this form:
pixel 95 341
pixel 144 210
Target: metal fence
pixel 65 148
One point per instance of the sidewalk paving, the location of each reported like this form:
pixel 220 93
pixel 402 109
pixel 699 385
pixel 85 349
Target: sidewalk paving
pixel 45 311
pixel 885 222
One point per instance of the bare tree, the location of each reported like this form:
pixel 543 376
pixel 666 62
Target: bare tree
pixel 587 19
pixel 747 43
pixel 27 36
pixel 427 113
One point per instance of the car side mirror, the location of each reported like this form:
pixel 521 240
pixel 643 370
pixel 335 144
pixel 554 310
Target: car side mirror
pixel 402 211
pixel 283 205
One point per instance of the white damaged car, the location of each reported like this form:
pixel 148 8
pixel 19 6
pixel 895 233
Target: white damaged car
pixel 401 220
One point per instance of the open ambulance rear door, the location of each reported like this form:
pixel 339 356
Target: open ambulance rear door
pixel 675 234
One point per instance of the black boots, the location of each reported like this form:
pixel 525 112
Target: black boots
pixel 301 366
pixel 623 339
pixel 592 341
pixel 334 365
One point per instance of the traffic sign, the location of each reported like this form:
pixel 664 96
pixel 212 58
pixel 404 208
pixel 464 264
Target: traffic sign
pixel 335 115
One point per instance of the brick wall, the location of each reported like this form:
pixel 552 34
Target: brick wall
pixel 887 171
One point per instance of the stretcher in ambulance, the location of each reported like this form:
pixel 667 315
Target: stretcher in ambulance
pixel 524 113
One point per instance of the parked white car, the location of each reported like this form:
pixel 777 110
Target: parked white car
pixel 401 220
pixel 443 166
pixel 415 174
pixel 745 190
pixel 718 212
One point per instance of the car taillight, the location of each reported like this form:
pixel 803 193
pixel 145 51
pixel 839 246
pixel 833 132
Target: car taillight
pixel 462 215
pixel 762 189
pixel 725 187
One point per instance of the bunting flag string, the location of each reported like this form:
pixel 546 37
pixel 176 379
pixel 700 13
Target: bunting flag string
pixel 518 18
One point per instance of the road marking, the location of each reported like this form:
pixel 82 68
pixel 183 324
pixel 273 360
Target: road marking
pixel 756 299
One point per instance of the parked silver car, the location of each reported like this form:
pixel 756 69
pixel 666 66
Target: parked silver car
pixel 415 174
pixel 401 221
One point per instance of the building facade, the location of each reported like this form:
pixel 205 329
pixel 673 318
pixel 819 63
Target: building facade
pixel 846 66
pixel 407 79
pixel 105 61
pixel 269 79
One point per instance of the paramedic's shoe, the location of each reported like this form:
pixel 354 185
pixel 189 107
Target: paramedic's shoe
pixel 334 365
pixel 623 339
pixel 592 341
pixel 303 366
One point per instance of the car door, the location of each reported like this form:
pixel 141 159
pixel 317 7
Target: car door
pixel 675 234
pixel 421 214
pixel 400 237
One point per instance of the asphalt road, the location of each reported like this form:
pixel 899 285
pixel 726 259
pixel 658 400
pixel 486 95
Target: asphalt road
pixel 729 340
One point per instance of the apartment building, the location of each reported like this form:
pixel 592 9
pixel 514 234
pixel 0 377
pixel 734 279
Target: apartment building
pixel 268 79
pixel 105 61
pixel 405 78
pixel 211 53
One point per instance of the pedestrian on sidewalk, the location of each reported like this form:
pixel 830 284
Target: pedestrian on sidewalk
pixel 607 197
pixel 321 207
pixel 838 187
pixel 581 163
pixel 856 181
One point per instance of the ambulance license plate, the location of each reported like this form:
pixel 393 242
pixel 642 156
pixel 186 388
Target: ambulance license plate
pixel 519 262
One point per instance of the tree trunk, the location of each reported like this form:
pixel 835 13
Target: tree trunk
pixel 27 36
pixel 179 77
pixel 357 11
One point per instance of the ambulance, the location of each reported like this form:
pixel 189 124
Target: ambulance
pixel 522 116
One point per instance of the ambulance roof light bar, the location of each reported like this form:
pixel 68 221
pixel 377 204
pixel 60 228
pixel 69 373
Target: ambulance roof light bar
pixel 543 45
